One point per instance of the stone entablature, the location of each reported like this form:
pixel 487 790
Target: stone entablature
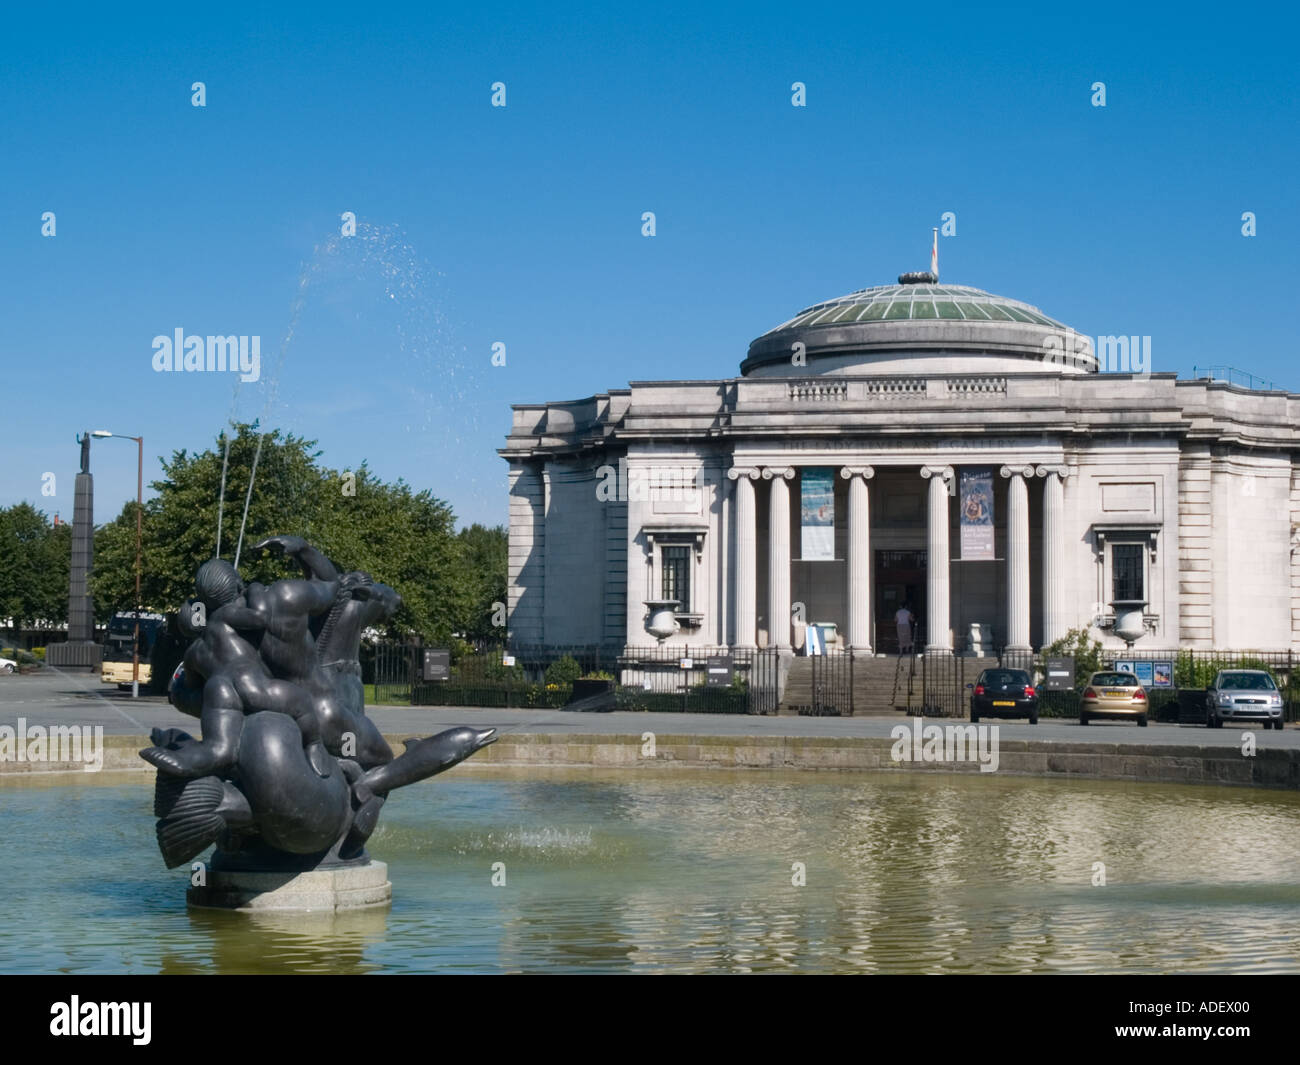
pixel 1091 406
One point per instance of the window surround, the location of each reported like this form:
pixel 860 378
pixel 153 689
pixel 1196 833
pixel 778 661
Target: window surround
pixel 657 537
pixel 1106 536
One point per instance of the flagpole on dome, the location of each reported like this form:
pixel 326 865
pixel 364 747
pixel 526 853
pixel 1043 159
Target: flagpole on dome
pixel 934 254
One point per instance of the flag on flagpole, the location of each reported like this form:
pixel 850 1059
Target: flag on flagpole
pixel 934 255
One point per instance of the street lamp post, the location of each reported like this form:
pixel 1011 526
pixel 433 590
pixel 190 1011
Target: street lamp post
pixel 139 519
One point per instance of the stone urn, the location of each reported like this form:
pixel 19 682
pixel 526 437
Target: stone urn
pixel 662 621
pixel 1130 623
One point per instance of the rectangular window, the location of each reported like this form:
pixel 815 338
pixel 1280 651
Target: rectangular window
pixel 1126 571
pixel 677 576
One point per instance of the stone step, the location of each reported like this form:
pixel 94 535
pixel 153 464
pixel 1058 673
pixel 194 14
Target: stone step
pixel 880 685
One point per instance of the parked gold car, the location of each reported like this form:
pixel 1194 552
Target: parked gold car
pixel 1110 693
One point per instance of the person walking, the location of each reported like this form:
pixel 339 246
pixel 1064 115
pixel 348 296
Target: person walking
pixel 903 619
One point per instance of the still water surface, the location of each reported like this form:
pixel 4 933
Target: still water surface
pixel 691 872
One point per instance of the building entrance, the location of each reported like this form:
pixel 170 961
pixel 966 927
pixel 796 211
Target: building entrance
pixel 899 580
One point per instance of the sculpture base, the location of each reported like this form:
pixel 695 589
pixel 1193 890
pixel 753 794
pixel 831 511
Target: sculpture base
pixel 335 890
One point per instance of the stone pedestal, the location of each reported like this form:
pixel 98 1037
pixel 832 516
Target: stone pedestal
pixel 333 890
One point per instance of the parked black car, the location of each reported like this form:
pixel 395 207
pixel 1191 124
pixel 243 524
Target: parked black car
pixel 1004 693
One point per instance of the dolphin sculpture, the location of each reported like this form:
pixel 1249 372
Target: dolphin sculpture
pixel 280 798
pixel 277 797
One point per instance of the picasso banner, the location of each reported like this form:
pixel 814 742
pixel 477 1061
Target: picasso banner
pixel 976 512
pixel 817 514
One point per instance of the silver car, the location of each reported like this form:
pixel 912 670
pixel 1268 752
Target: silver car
pixel 1243 695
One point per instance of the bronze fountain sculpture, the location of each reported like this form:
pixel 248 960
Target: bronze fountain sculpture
pixel 290 774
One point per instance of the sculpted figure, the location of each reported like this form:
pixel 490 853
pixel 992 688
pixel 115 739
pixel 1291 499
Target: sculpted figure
pixel 362 603
pixel 235 683
pixel 290 650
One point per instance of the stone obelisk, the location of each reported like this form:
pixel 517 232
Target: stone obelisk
pixel 81 651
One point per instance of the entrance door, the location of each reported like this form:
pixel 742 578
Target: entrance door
pixel 899 579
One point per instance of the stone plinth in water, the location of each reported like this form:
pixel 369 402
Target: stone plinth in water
pixel 331 890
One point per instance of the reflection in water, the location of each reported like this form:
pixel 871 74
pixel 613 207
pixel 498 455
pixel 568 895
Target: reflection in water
pixel 692 871
pixel 277 942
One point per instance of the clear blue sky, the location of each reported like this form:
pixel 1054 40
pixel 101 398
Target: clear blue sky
pixel 522 225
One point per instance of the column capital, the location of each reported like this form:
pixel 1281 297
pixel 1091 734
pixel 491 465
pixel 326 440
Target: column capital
pixel 865 472
pixel 945 472
pixel 787 472
pixel 736 472
pixel 1017 471
pixel 1061 471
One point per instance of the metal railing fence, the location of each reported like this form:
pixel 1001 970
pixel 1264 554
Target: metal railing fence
pixel 670 678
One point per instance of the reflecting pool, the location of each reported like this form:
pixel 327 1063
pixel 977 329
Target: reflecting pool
pixel 694 871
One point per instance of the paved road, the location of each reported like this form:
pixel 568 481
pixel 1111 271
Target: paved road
pixel 80 699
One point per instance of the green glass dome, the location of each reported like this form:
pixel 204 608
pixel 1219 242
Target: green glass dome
pixel 914 302
pixel 919 326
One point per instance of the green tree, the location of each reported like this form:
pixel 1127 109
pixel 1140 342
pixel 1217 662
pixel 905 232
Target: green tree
pixel 35 557
pixel 402 537
pixel 563 671
pixel 52 600
pixel 180 521
pixel 486 552
pixel 112 574
pixel 405 539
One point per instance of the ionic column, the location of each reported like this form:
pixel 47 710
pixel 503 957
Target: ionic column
pixel 1017 557
pixel 745 578
pixel 778 555
pixel 1053 552
pixel 936 588
pixel 859 619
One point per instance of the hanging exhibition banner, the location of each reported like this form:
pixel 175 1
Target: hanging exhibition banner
pixel 976 513
pixel 817 514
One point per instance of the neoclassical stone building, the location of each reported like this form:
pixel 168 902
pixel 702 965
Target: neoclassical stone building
pixel 922 443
